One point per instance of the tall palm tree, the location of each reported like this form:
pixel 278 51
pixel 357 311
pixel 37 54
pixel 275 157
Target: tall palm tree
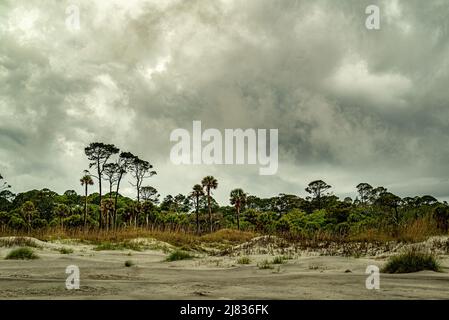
pixel 209 183
pixel 238 199
pixel 86 181
pixel 197 192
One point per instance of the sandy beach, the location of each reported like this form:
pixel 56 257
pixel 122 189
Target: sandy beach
pixel 103 275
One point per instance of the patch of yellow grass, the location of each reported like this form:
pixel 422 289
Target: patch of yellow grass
pixel 176 238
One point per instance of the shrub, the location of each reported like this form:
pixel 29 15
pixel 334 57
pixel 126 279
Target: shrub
pixel 118 246
pixel 279 260
pixel 179 255
pixel 75 220
pixel 21 254
pixel 265 264
pixel 39 223
pixel 411 261
pixel 18 241
pixel 243 260
pixel 65 250
pixel 108 246
pixel 17 223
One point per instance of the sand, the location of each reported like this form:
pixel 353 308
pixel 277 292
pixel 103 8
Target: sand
pixel 103 275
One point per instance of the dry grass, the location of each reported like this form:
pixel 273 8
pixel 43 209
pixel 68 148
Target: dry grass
pixel 414 231
pixel 104 238
pixel 18 242
pixel 222 241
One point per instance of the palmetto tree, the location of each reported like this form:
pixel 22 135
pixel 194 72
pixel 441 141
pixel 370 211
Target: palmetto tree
pixel 196 193
pixel 106 210
pixel 62 211
pixel 86 181
pixel 209 183
pixel 238 200
pixel 28 211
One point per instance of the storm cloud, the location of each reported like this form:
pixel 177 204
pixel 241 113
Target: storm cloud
pixel 351 104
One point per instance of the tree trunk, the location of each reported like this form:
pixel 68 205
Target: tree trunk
pixel 197 216
pixel 115 201
pixel 210 210
pixel 99 187
pixel 85 207
pixel 238 217
pixel 109 223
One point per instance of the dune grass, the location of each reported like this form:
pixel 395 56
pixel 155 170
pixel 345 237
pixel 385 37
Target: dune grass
pixel 244 260
pixel 125 245
pixel 265 264
pixel 179 255
pixel 411 261
pixel 120 239
pixel 24 253
pixel 65 250
pixel 279 260
pixel 18 242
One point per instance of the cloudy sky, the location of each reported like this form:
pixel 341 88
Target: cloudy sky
pixel 351 104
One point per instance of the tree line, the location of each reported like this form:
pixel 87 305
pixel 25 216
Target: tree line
pixel 198 211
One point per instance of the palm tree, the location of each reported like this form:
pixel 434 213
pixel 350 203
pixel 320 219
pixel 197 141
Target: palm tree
pixel 28 211
pixel 209 183
pixel 238 199
pixel 61 210
pixel 86 181
pixel 197 192
pixel 106 210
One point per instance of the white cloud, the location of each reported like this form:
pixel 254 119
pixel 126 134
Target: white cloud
pixel 384 89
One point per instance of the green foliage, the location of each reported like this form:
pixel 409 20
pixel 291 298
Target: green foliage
pixel 126 245
pixel 74 221
pixel 244 260
pixel 411 261
pixel 179 255
pixel 266 221
pixel 375 208
pixel 21 254
pixel 279 260
pixel 65 250
pixel 17 223
pixel 18 241
pixel 39 223
pixel 265 264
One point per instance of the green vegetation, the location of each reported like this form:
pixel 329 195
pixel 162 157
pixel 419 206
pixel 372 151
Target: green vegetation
pixel 265 264
pixel 179 255
pixel 411 261
pixel 126 245
pixel 18 242
pixel 244 260
pixel 375 214
pixel 279 260
pixel 65 250
pixel 21 254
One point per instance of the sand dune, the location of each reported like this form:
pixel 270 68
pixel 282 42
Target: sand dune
pixel 103 275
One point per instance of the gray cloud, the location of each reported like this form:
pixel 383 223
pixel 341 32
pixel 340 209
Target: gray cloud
pixel 351 104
